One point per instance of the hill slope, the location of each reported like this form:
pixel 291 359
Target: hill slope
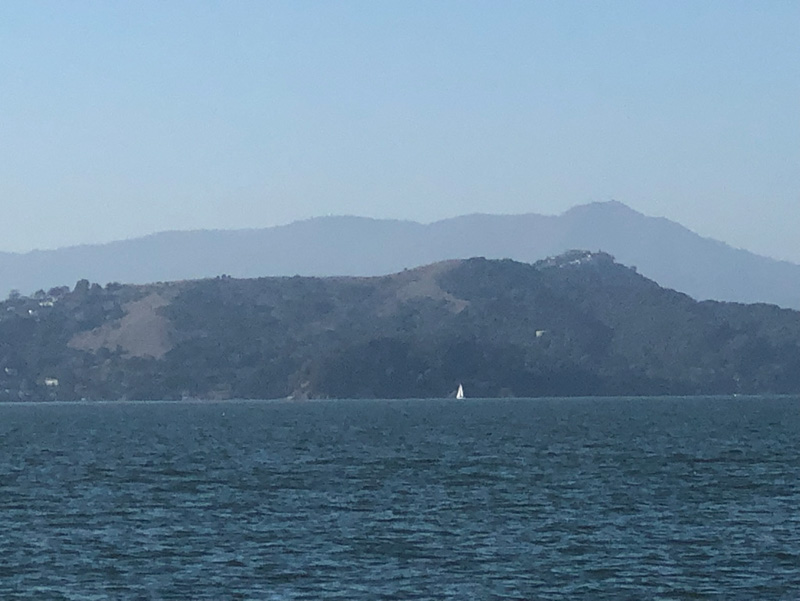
pixel 578 324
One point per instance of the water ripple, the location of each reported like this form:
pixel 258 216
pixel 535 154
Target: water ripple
pixel 360 500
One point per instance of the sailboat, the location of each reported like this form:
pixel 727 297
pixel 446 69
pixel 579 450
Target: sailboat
pixel 460 392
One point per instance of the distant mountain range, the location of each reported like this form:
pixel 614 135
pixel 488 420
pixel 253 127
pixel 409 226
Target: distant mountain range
pixel 662 250
pixel 576 324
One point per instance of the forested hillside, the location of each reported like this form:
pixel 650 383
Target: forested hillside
pixel 577 324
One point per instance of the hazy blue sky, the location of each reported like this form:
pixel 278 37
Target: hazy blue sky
pixel 119 119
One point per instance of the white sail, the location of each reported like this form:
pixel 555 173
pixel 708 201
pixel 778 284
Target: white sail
pixel 460 392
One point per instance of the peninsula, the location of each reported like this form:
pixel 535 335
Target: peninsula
pixel 575 324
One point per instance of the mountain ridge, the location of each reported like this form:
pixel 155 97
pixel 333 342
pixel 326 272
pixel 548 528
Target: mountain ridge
pixel 348 245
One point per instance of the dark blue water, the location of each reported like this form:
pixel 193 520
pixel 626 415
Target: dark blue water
pixel 514 499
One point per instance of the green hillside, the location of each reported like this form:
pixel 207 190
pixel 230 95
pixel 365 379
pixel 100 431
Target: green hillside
pixel 578 324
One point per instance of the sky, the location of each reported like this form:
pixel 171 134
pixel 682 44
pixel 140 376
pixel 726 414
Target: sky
pixel 120 119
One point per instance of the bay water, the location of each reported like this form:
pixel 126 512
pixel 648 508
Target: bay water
pixel 535 499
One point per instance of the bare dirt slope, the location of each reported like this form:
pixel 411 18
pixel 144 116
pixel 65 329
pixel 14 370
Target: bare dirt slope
pixel 141 332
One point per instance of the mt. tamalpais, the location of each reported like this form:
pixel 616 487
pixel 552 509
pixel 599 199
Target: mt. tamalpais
pixel 662 250
pixel 576 324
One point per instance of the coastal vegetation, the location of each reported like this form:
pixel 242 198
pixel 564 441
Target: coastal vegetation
pixel 576 324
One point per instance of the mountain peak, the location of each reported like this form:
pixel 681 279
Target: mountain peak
pixel 661 250
pixel 606 207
